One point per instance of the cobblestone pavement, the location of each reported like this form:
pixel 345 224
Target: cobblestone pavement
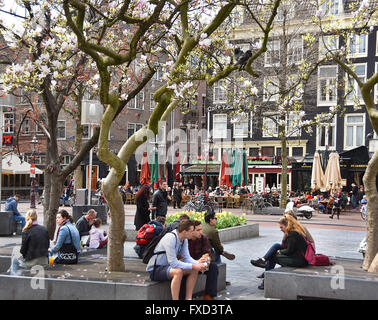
pixel 330 237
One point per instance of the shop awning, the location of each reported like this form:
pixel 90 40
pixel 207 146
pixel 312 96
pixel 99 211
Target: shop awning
pixel 267 169
pixel 199 170
pixel 13 165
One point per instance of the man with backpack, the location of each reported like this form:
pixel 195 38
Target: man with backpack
pixel 164 264
pixel 146 233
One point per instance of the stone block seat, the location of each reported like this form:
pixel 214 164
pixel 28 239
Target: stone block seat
pixel 345 280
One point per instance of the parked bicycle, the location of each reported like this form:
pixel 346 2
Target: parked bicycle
pixel 200 203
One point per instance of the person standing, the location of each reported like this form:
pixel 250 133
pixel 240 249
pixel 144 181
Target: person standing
pixel 34 246
pixel 160 200
pixel 354 195
pixel 11 205
pixel 165 266
pixel 176 195
pixel 337 199
pixel 142 215
pixel 199 250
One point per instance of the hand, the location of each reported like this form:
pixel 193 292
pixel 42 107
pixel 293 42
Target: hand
pixel 200 267
pixel 168 197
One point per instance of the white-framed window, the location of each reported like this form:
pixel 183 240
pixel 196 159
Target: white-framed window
pixel 137 102
pixel 270 127
pixel 352 89
pixel 220 92
pixel 219 126
pixel 328 43
pixel 272 54
pixel 241 128
pixel 271 89
pixel 61 130
pixel 376 86
pixel 292 125
pixel 67 159
pixel 327 85
pixel 26 127
pixel 358 45
pixel 354 130
pixel 331 7
pixel 132 128
pixel 152 102
pixel 158 74
pixel 295 51
pixel 8 122
pixel 326 135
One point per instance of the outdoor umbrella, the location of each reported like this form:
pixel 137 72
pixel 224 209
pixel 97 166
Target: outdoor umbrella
pixel 245 169
pixel 237 168
pixel 332 173
pixel 177 168
pixel 155 169
pixel 317 176
pixel 145 170
pixel 224 178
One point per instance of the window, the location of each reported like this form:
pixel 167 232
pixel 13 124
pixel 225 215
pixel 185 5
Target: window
pixel 279 151
pixel 358 45
pixel 152 102
pixel 132 128
pixel 271 89
pixel 328 43
pixel 292 125
pixel 67 159
pixel 86 131
pixel 327 88
pixel 272 55
pixel 295 51
pixel 220 126
pixel 61 130
pixel 241 129
pixel 8 122
pixel 297 152
pixel 26 126
pixel 354 130
pixel 267 151
pixel 331 7
pixel 183 135
pixel 158 74
pixel 326 135
pixel 220 93
pixel 270 128
pixel 253 152
pixel 137 102
pixel 352 89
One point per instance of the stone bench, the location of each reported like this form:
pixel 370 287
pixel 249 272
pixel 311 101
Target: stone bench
pixel 345 281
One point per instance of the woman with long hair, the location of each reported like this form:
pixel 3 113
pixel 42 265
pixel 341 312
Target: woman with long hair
pixel 291 253
pixel 34 246
pixel 142 215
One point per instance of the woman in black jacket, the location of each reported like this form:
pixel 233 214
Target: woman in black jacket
pixel 142 215
pixel 35 245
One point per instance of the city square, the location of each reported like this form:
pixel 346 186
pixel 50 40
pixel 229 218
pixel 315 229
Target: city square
pixel 245 130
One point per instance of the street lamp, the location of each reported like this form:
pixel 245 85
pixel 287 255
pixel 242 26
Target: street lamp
pixel 34 142
pixel 209 149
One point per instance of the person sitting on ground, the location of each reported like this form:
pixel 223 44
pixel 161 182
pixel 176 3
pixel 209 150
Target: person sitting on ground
pixel 11 205
pixel 34 246
pixel 199 250
pixel 293 255
pixel 217 248
pixel 98 237
pixel 66 234
pixel 165 266
pixel 84 224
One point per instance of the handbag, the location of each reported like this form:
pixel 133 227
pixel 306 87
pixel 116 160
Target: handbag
pixel 310 251
pixel 67 253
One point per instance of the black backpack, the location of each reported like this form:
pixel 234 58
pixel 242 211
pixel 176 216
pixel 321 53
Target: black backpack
pixel 149 248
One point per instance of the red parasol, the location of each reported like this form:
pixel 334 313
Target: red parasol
pixel 224 178
pixel 145 170
pixel 177 168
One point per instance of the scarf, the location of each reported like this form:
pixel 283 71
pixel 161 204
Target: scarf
pixel 63 224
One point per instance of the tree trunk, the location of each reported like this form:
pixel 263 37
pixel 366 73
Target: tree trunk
pixel 369 180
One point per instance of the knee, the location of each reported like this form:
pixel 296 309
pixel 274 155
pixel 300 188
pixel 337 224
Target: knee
pixel 177 273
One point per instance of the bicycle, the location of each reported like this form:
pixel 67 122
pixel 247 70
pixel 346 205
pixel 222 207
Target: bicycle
pixel 247 205
pixel 261 203
pixel 200 204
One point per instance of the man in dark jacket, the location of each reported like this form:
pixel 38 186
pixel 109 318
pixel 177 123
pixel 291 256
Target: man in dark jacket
pixel 84 224
pixel 160 200
pixel 11 205
pixel 176 195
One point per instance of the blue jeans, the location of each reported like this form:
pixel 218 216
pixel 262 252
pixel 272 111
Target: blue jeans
pixel 20 218
pixel 16 264
pixel 217 257
pixel 212 279
pixel 354 201
pixel 270 256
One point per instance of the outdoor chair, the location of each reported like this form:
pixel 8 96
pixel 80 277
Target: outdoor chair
pixel 220 201
pixel 129 198
pixel 237 202
pixel 230 202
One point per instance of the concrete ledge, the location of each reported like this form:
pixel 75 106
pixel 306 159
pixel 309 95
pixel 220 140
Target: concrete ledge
pixel 229 234
pixel 81 283
pixel 345 281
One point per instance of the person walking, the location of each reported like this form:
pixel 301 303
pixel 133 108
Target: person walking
pixel 34 246
pixel 199 250
pixel 160 200
pixel 11 205
pixel 337 200
pixel 142 215
pixel 165 266
pixel 293 255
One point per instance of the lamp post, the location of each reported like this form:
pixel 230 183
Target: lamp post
pixel 209 150
pixel 34 142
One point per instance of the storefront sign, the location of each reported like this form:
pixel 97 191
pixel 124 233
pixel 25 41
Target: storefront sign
pixel 7 139
pixel 260 184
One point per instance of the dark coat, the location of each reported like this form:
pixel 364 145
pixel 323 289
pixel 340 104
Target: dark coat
pixel 82 225
pixel 293 254
pixel 160 202
pixel 142 215
pixel 35 243
pixel 177 194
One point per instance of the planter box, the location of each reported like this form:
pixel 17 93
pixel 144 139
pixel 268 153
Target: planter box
pixel 229 234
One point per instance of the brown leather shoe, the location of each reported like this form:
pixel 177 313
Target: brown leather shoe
pixel 206 296
pixel 228 255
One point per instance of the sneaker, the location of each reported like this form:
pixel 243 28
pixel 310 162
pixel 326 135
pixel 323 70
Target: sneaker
pixel 228 255
pixel 261 276
pixel 206 296
pixel 258 263
pixel 330 217
pixel 261 286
